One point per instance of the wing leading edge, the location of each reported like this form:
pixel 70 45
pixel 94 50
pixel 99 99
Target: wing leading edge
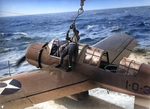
pixel 43 85
pixel 118 46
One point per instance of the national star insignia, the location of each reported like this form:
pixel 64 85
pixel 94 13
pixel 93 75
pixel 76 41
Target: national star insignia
pixel 9 86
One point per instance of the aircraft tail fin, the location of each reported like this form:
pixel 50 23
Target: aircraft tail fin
pixel 118 46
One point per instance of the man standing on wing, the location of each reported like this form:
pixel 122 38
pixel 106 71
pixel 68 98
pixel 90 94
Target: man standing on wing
pixel 71 47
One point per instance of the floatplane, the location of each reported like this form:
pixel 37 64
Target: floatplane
pixel 104 65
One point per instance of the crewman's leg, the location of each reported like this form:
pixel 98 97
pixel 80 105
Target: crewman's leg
pixel 70 53
pixel 75 53
pixel 65 52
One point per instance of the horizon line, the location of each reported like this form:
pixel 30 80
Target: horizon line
pixel 20 14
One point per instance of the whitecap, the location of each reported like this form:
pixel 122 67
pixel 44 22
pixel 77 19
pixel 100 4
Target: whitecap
pixel 91 26
pixel 114 28
pixel 20 33
pixel 2 34
pixel 146 23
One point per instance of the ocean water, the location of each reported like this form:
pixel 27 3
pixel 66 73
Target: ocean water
pixel 16 33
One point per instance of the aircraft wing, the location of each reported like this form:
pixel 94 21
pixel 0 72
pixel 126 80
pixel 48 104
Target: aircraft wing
pixel 118 46
pixel 24 90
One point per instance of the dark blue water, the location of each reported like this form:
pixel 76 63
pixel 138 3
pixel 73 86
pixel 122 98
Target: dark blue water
pixel 16 33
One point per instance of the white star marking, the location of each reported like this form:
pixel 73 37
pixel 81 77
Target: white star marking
pixel 8 86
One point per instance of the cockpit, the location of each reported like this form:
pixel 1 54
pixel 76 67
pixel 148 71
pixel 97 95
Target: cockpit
pixel 54 47
pixel 97 57
pixel 100 58
pixel 128 67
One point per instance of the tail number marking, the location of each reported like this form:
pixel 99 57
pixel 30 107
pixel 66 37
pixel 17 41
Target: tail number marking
pixel 136 87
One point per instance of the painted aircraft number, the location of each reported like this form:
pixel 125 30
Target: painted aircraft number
pixel 136 87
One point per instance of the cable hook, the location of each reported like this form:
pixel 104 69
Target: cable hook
pixel 80 11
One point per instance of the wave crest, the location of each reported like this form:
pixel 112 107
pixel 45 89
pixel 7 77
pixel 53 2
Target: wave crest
pixel 10 34
pixel 139 50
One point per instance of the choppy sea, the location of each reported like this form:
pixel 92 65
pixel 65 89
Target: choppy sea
pixel 17 32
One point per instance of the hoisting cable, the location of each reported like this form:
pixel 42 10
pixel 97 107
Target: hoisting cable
pixel 80 10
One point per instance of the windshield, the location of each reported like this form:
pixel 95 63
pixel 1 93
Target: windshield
pixel 54 47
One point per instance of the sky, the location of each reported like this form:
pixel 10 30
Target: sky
pixel 29 7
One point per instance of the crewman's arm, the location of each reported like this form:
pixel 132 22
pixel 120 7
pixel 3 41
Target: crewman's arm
pixel 67 35
pixel 74 28
pixel 75 31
